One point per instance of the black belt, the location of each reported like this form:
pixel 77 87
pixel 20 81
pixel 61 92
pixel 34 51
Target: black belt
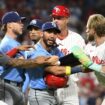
pixel 48 89
pixel 14 83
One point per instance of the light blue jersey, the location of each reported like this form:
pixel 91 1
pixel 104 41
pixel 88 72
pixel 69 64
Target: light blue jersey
pixel 11 73
pixel 36 74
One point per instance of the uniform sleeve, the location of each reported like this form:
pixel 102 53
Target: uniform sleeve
pixel 58 53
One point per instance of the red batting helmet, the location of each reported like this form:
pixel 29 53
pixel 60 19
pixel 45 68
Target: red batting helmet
pixel 54 81
pixel 60 11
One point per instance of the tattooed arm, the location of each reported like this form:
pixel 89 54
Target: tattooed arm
pixel 39 61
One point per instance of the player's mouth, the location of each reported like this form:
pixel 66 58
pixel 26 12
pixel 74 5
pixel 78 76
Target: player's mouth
pixel 51 41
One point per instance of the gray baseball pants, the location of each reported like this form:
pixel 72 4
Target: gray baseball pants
pixel 42 97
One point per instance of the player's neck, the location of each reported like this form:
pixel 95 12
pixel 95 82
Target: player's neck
pixel 11 34
pixel 63 34
pixel 99 40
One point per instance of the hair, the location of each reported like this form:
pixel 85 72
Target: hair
pixel 4 28
pixel 100 28
pixel 97 22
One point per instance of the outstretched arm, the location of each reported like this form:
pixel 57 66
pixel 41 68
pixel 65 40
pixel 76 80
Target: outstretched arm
pixel 14 51
pixel 85 60
pixel 64 70
pixel 39 61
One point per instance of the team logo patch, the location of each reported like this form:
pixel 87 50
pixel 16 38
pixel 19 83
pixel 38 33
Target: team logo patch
pixel 33 22
pixel 53 24
pixel 57 9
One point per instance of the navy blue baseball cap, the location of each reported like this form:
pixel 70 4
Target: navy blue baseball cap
pixel 35 23
pixel 12 16
pixel 50 25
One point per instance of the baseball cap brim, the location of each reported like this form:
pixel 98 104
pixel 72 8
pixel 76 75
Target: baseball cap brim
pixel 54 29
pixel 32 26
pixel 23 18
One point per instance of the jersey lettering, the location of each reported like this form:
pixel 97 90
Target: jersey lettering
pixel 97 60
pixel 65 51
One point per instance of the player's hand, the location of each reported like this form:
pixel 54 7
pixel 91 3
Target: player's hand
pixel 25 47
pixel 53 60
pixel 83 58
pixel 41 60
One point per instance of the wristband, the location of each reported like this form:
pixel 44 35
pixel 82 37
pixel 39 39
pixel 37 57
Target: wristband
pixel 68 70
pixel 12 52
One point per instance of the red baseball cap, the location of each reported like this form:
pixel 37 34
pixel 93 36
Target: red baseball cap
pixel 60 10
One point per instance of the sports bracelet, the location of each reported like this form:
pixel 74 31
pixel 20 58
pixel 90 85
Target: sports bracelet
pixel 68 70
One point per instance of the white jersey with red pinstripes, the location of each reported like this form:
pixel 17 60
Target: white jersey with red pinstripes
pixel 70 93
pixel 71 40
pixel 97 55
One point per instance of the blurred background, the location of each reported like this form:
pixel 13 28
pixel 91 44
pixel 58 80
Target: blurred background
pixel 80 9
pixel 90 92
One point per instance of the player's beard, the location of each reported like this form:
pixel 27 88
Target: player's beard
pixel 90 38
pixel 46 41
pixel 16 32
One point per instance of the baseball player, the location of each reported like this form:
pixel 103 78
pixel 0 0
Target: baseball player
pixel 39 92
pixel 66 40
pixel 35 32
pixel 96 28
pixel 13 27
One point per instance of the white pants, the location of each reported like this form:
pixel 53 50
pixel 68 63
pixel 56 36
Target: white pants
pixel 68 95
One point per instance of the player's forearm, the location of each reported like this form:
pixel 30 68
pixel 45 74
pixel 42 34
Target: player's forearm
pixel 97 67
pixel 56 70
pixel 63 70
pixel 30 63
pixel 22 63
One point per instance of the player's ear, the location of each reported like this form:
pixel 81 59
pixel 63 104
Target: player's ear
pixel 9 25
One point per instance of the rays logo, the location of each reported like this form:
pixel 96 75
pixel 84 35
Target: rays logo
pixel 53 24
pixel 33 22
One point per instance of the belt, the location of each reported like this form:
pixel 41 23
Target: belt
pixel 48 89
pixel 14 83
